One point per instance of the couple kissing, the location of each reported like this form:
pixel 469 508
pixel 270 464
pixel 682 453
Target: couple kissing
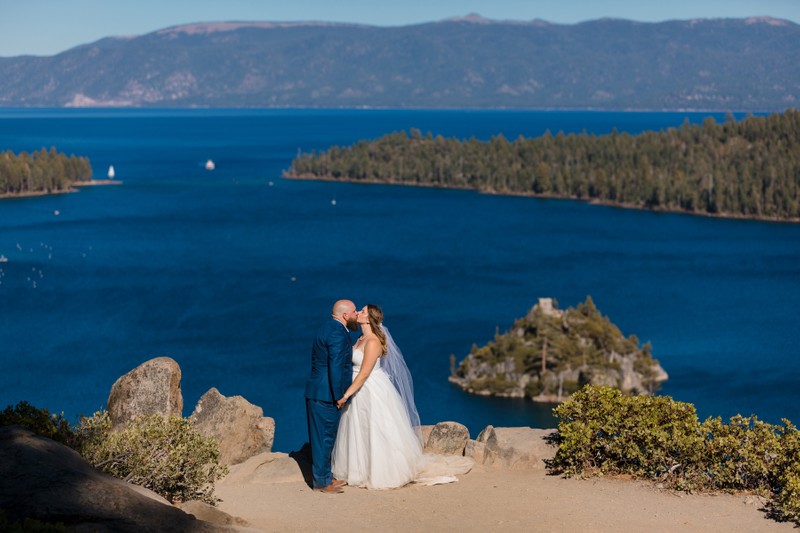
pixel 363 425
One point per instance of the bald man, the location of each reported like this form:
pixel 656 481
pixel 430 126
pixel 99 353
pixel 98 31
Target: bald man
pixel 331 374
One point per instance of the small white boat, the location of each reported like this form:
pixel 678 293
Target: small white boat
pixel 210 165
pixel 3 259
pixel 111 172
pixel 333 202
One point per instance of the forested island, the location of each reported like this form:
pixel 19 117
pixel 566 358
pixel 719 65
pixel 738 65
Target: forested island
pixel 748 168
pixel 551 353
pixel 41 172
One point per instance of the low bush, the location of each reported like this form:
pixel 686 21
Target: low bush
pixel 787 485
pixel 40 421
pixel 165 455
pixel 741 455
pixel 603 431
pixel 606 431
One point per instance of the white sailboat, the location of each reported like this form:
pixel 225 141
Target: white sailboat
pixel 210 165
pixel 111 172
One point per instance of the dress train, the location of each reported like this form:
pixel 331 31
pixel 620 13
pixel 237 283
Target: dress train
pixel 376 446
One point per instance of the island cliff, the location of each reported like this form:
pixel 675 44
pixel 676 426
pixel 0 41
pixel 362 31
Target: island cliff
pixel 550 353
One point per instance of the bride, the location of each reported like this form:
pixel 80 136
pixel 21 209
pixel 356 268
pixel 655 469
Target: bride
pixel 379 442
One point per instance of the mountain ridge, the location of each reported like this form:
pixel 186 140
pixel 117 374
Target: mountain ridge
pixel 462 62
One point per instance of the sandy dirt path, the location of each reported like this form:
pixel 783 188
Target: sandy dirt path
pixel 491 499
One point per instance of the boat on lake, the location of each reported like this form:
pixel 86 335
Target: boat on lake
pixel 111 172
pixel 210 165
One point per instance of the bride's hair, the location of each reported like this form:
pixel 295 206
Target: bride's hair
pixel 375 315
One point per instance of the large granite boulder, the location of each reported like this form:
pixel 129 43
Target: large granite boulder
pixel 47 481
pixel 240 427
pixel 476 451
pixel 209 513
pixel 152 387
pixel 269 468
pixel 448 438
pixel 517 448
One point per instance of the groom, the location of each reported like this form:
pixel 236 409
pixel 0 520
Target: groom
pixel 331 374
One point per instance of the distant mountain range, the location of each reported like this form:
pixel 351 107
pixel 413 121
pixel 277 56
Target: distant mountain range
pixel 471 62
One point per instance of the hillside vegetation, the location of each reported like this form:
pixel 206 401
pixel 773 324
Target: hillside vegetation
pixel 471 62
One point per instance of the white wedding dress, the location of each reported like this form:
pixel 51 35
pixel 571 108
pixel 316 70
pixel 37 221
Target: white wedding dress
pixel 376 446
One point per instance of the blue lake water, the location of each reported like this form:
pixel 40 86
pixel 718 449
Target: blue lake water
pixel 231 276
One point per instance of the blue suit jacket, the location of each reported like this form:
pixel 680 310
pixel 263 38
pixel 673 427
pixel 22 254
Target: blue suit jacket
pixel 331 363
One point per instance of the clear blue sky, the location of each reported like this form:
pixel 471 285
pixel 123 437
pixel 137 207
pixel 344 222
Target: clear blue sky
pixel 46 27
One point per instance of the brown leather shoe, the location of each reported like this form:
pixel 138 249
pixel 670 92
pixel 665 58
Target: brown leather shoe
pixel 339 482
pixel 331 489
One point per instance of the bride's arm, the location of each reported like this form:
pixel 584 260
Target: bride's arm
pixel 372 350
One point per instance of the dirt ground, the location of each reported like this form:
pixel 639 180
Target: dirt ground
pixel 270 493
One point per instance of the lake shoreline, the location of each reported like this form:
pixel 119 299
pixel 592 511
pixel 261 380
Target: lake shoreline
pixel 74 187
pixel 547 197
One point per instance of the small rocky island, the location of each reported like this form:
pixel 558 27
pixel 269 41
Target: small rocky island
pixel 550 353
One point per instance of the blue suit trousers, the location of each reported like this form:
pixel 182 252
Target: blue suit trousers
pixel 323 423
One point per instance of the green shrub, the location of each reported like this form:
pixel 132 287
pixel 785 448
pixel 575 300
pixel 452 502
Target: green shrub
pixel 787 484
pixel 40 421
pixel 165 455
pixel 741 455
pixel 603 431
pixel 533 388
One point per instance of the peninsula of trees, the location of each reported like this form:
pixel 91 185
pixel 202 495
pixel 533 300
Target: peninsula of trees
pixel 748 168
pixel 41 172
pixel 549 354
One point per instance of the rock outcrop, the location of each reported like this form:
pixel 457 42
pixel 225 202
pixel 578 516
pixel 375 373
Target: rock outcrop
pixel 271 467
pixel 517 448
pixel 447 438
pixel 209 513
pixel 240 428
pixel 43 480
pixel 152 387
